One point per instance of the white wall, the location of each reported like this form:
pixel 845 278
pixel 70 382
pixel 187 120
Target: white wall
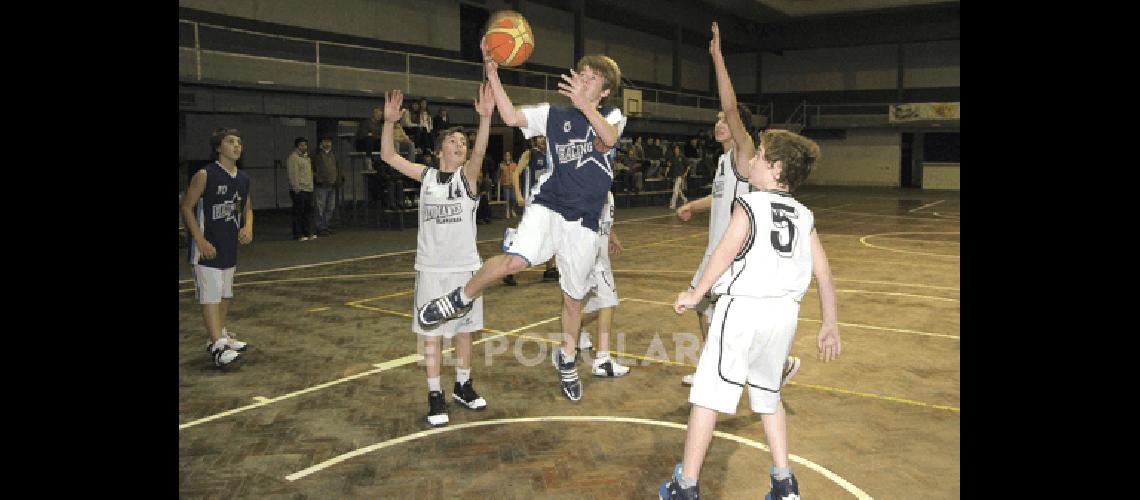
pixel 431 23
pixel 864 158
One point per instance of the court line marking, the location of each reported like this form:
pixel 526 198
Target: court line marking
pixel 865 214
pixel 833 477
pixel 388 365
pixel 319 309
pixel 854 325
pixel 389 254
pixel 925 206
pixel 864 239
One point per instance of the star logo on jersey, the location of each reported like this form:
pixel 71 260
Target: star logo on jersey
pixel 578 151
pixel 226 211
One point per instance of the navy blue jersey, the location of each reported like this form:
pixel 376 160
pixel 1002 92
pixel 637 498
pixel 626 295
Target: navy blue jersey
pixel 581 177
pixel 534 168
pixel 219 212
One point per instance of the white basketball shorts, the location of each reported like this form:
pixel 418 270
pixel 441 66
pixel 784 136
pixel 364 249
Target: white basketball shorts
pixel 748 342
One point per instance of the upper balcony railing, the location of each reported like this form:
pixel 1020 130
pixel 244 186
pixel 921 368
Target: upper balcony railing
pixel 209 52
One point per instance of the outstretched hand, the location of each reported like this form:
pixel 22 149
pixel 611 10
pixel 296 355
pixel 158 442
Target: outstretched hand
pixel 392 102
pixel 489 63
pixel 573 87
pixel 485 100
pixel 714 44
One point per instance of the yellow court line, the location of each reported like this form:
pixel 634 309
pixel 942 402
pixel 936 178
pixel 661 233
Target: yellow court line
pixel 864 239
pixel 855 325
pixel 315 278
pixel 319 309
pixel 833 477
pixel 876 396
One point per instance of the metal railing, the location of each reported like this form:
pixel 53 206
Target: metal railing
pixel 325 56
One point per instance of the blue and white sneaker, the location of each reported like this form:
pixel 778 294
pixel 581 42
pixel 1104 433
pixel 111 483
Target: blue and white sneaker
pixel 786 489
pixel 442 309
pixel 571 386
pixel 671 489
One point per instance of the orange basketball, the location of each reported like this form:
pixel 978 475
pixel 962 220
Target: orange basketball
pixel 509 38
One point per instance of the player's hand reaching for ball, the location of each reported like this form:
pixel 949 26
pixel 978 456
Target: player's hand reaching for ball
pixel 490 64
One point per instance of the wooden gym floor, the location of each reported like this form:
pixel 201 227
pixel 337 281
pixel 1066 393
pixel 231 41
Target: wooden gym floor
pixel 330 400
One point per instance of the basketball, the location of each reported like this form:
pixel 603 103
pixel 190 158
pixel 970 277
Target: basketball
pixel 509 38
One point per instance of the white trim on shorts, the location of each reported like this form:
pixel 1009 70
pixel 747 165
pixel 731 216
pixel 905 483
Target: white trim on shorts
pixel 211 284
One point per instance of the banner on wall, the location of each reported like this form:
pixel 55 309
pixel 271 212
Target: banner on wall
pixel 925 111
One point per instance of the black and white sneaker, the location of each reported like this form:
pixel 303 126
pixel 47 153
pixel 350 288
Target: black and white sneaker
pixel 223 355
pixel 441 309
pixel 570 384
pixel 786 489
pixel 550 275
pixel 465 394
pixel 437 409
pixel 231 342
pixel 609 367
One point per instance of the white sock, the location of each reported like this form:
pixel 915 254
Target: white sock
pixel 603 355
pixel 462 375
pixel 433 384
pixel 463 296
pixel 686 482
pixel 568 357
pixel 780 473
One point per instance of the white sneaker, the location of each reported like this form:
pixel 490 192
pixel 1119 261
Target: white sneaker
pixel 222 354
pixel 609 367
pixel 687 379
pixel 584 341
pixel 234 343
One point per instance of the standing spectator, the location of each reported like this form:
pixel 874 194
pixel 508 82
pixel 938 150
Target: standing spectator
pixel 219 214
pixel 507 178
pixel 367 139
pixel 674 161
pixel 483 213
pixel 637 152
pixel 326 180
pixel 682 176
pixel 426 127
pixel 299 167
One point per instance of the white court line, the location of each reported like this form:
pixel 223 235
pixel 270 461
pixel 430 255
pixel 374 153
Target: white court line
pixel 387 366
pixel 833 477
pixel 913 210
pixel 389 254
pixel 855 325
pixel 864 239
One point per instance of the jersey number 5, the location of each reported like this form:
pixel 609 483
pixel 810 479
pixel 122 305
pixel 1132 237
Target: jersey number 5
pixel 781 219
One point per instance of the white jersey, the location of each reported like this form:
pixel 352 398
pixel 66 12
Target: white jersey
pixel 727 186
pixel 775 260
pixel 446 238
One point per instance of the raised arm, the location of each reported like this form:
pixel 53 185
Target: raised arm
pixel 484 106
pixel 745 148
pixel 392 101
pixel 727 250
pixel 507 111
pixel 828 339
pixel 575 88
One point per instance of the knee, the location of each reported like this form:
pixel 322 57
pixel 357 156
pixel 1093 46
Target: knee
pixel 515 264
